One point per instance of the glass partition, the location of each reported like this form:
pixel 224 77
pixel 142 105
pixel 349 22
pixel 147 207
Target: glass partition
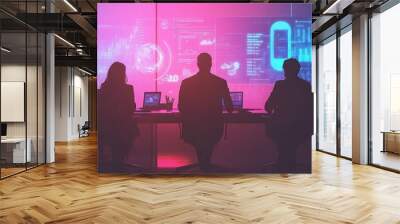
pixel 13 103
pixel 327 96
pixel 22 90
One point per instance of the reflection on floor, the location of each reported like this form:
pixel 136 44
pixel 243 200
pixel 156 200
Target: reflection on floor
pixel 346 152
pixel 10 171
pixel 386 159
pixel 71 191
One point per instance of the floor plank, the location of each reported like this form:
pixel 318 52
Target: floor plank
pixel 71 191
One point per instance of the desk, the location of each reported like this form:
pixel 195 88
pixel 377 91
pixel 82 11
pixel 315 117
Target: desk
pixel 391 141
pixel 245 148
pixel 13 150
pixel 254 116
pixel 162 131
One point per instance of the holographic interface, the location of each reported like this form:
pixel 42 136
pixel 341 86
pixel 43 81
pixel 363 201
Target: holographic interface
pixel 159 44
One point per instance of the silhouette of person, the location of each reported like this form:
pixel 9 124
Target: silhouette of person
pixel 200 104
pixel 291 107
pixel 117 129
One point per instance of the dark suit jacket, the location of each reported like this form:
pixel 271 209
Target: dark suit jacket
pixel 116 109
pixel 200 104
pixel 291 105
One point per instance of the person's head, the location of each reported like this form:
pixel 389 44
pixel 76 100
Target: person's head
pixel 204 62
pixel 116 74
pixel 291 67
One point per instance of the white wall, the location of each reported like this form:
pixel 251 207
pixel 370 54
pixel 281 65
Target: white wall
pixel 16 73
pixel 12 73
pixel 61 103
pixel 71 102
pixel 81 104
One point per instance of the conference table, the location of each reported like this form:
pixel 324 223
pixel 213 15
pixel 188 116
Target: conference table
pixel 162 129
pixel 174 116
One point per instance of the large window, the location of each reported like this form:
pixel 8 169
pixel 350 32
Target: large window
pixel 327 95
pixel 335 94
pixel 385 89
pixel 346 92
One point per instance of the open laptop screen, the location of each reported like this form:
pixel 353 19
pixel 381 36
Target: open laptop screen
pixel 151 99
pixel 237 100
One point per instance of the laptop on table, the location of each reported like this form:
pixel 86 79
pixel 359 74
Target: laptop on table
pixel 237 101
pixel 151 100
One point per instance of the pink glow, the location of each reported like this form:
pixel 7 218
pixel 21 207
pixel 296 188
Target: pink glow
pixel 172 161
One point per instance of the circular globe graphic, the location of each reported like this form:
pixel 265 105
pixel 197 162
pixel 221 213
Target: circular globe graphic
pixel 148 58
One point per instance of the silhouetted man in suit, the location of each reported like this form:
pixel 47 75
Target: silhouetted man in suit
pixel 291 107
pixel 200 103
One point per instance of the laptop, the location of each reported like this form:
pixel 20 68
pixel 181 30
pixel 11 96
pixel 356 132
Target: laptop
pixel 151 100
pixel 237 101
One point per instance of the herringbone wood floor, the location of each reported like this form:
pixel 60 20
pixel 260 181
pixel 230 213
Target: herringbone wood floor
pixel 71 191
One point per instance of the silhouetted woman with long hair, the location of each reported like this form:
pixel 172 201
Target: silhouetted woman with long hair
pixel 117 128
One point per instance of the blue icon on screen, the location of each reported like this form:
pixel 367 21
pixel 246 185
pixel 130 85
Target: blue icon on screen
pixel 280 44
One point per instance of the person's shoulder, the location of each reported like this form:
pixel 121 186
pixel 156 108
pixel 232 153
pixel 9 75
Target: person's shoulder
pixel 126 87
pixel 217 78
pixel 279 83
pixel 188 79
pixel 305 82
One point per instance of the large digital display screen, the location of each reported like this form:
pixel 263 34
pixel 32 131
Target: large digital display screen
pixel 150 54
pixel 159 44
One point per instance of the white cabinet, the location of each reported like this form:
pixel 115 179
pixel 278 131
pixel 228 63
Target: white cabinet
pixel 16 149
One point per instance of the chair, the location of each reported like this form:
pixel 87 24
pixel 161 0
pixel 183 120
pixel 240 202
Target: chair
pixel 84 130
